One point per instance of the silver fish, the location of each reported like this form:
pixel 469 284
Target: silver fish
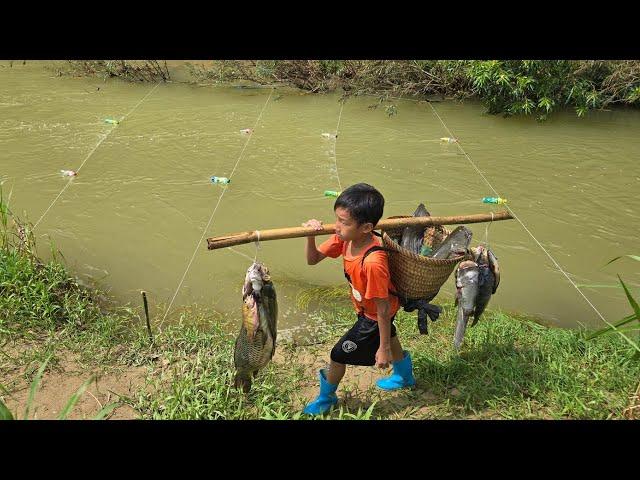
pixel 256 342
pixel 455 244
pixel 412 236
pixel 495 268
pixel 486 281
pixel 466 292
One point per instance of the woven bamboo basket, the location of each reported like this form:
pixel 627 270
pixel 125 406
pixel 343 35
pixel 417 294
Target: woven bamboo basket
pixel 415 276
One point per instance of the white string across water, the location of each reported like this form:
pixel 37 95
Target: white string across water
pixel 526 229
pixel 335 146
pixel 204 231
pixel 104 137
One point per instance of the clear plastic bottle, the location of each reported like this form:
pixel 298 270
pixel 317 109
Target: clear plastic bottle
pixel 448 139
pixel 111 121
pixel 221 180
pixel 496 200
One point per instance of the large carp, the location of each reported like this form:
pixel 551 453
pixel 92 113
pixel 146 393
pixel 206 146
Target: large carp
pixel 256 342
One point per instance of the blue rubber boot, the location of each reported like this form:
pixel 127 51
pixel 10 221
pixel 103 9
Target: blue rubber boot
pixel 402 375
pixel 325 400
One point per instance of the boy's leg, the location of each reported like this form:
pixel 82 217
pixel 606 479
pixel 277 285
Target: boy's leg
pixel 396 349
pixel 345 351
pixel 336 372
pixel 402 375
pixel 328 385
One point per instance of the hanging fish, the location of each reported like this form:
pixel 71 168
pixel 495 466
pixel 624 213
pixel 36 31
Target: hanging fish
pixel 466 292
pixel 256 342
pixel 488 279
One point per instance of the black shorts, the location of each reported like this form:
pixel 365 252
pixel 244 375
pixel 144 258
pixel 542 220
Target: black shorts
pixel 359 345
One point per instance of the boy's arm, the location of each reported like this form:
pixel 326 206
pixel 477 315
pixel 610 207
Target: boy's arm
pixel 383 355
pixel 377 274
pixel 312 253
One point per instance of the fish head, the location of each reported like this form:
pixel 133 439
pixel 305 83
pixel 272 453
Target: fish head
pixel 467 284
pixel 259 296
pixel 456 244
pixel 460 239
pixel 256 277
pixel 480 255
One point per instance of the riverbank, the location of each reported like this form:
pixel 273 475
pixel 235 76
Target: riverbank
pixel 508 368
pixel 508 87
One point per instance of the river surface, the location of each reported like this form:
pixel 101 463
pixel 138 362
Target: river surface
pixel 137 215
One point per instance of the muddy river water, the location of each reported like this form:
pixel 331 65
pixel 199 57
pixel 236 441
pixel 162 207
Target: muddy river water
pixel 136 216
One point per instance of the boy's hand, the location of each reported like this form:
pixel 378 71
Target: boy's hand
pixel 383 357
pixel 313 254
pixel 313 223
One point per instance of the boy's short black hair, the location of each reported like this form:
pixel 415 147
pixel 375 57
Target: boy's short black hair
pixel 363 202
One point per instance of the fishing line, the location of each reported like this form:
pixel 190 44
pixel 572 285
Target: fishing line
pixel 204 231
pixel 486 232
pixel 335 146
pixel 91 153
pixel 240 253
pixel 526 229
pixel 257 242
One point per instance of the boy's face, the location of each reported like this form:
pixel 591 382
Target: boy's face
pixel 347 228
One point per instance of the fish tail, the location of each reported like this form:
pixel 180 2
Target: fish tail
pixel 479 310
pixel 461 326
pixel 242 382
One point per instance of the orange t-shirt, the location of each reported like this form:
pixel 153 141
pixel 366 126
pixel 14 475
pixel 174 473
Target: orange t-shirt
pixel 369 280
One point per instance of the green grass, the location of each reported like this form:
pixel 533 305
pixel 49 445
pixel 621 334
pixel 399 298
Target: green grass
pixel 43 307
pixel 197 377
pixel 513 368
pixel 322 296
pixel 508 368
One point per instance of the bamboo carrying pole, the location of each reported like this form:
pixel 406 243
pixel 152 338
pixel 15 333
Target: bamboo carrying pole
pixel 232 239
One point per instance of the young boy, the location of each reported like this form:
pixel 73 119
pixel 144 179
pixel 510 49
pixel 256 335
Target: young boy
pixel 372 340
